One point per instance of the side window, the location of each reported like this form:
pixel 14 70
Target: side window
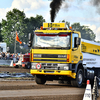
pixel 73 39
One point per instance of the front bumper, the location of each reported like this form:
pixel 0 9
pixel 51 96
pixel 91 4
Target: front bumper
pixel 53 72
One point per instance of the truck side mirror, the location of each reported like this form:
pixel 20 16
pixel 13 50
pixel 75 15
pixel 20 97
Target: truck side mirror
pixel 30 40
pixel 77 41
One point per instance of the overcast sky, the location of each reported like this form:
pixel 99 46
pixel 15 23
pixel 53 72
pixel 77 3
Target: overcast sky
pixel 87 12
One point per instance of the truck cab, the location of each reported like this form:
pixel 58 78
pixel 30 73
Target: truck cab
pixel 56 54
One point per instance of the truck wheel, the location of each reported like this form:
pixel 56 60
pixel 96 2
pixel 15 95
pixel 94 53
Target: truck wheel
pixel 79 79
pixel 28 66
pixel 40 79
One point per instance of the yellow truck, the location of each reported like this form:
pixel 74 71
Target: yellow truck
pixel 58 53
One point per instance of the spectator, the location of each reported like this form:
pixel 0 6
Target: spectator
pixel 7 55
pixel 3 55
pixel 17 56
pixel 13 55
pixel 0 56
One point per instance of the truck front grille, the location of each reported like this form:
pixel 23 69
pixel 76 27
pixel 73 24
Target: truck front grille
pixel 50 57
pixel 49 60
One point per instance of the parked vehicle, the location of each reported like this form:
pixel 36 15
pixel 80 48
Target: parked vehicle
pixel 24 61
pixel 3 47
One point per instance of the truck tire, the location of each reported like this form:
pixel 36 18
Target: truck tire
pixel 28 66
pixel 79 79
pixel 40 79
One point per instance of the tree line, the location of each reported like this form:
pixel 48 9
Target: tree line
pixel 16 20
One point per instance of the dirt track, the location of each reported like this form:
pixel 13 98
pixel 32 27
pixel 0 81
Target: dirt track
pixel 29 90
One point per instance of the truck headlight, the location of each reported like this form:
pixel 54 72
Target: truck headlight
pixel 66 67
pixel 63 66
pixel 33 66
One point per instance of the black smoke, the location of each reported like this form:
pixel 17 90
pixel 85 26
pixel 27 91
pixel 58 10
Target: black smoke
pixel 96 3
pixel 55 6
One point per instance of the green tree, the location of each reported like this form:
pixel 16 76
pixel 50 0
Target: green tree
pixel 68 24
pixel 86 32
pixel 15 22
pixel 32 24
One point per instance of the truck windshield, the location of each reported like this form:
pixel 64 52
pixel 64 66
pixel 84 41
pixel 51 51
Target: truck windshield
pixel 52 40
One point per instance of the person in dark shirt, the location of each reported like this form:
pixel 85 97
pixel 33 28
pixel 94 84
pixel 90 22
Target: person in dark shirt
pixel 3 54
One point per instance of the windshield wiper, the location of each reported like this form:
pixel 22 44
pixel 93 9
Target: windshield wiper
pixel 40 46
pixel 55 46
pixel 59 47
pixel 51 46
pixel 37 45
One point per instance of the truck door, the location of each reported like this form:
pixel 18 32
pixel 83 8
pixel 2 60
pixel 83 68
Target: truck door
pixel 75 53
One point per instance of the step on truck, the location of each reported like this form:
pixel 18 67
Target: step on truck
pixel 58 53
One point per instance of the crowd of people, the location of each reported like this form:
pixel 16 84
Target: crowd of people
pixel 8 56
